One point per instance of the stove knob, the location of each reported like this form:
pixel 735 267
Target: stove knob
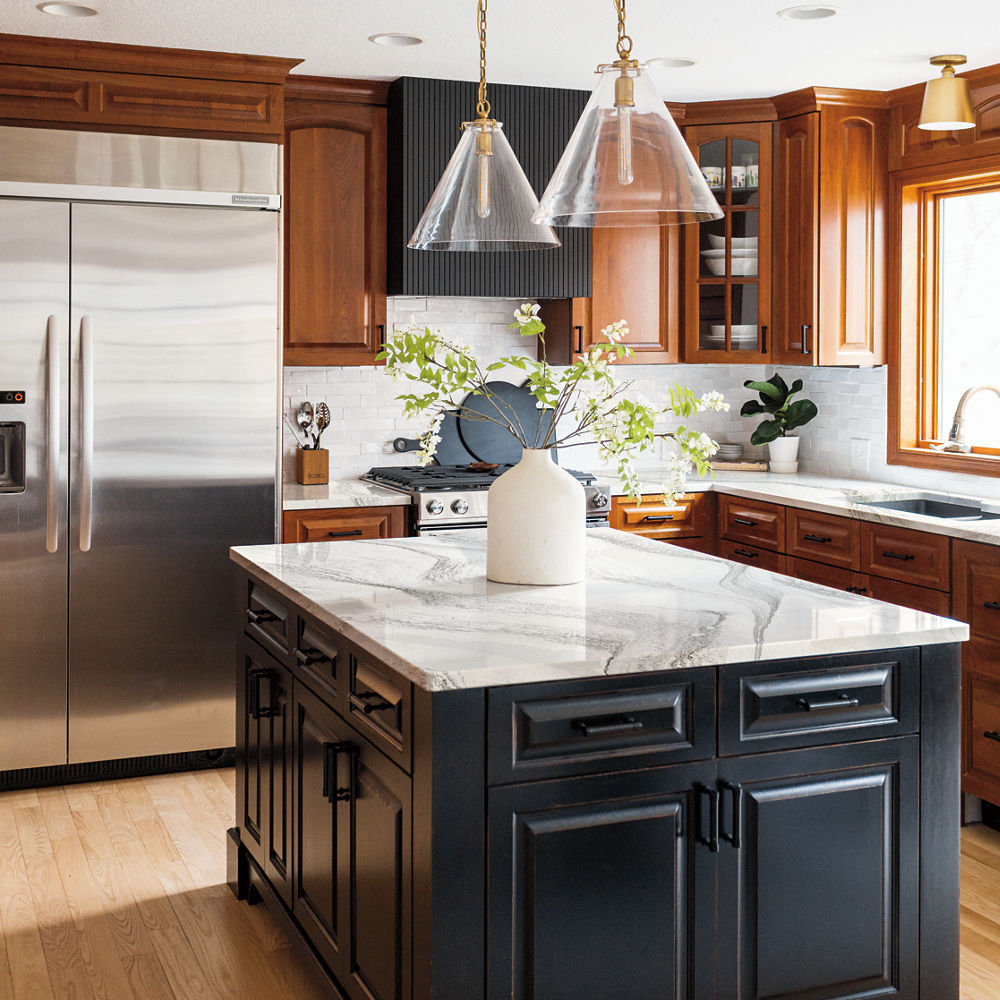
pixel 600 500
pixel 434 506
pixel 460 506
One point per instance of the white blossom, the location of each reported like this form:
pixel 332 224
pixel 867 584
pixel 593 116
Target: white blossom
pixel 714 400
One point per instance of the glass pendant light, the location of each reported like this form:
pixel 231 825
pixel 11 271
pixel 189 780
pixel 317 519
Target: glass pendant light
pixel 483 200
pixel 946 106
pixel 627 163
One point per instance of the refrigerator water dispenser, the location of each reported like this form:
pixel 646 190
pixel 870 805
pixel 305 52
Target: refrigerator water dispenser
pixel 12 457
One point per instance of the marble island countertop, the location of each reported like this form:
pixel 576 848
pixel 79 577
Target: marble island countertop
pixel 425 608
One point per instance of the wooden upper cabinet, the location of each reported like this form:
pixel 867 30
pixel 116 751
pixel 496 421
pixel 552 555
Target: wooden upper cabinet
pixel 335 235
pixel 636 278
pixel 727 262
pixel 137 88
pixel 830 183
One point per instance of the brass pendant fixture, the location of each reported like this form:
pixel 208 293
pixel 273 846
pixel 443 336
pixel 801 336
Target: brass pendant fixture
pixel 627 163
pixel 947 106
pixel 483 200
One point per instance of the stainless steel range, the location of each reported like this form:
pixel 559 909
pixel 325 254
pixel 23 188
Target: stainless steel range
pixel 453 497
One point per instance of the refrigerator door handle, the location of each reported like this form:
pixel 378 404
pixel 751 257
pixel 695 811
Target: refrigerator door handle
pixel 52 435
pixel 86 432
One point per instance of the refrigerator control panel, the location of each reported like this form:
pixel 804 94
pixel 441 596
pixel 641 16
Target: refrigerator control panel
pixel 12 395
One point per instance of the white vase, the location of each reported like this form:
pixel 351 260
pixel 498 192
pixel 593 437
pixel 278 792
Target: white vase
pixel 782 452
pixel 536 524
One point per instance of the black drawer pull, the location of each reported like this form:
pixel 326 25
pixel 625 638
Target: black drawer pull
pixel 817 538
pixel 658 519
pixel 258 706
pixel 747 553
pixel 901 556
pixel 992 735
pixel 579 339
pixel 371 701
pixel 307 657
pixel 330 753
pixel 344 534
pixel 712 840
pixel 746 521
pixel 608 727
pixel 737 797
pixel 261 617
pixel 857 590
pixel 841 701
pixel 992 605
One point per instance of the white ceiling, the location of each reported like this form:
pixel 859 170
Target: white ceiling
pixel 743 49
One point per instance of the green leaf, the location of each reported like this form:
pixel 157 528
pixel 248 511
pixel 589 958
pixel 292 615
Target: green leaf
pixel 766 431
pixel 766 389
pixel 751 408
pixel 779 383
pixel 799 413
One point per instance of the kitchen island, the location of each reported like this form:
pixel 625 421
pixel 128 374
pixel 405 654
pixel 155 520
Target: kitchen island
pixel 682 778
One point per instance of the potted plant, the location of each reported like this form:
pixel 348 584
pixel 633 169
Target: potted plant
pixel 536 519
pixel 785 416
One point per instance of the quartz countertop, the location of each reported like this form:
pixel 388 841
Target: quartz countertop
pixel 340 493
pixel 424 607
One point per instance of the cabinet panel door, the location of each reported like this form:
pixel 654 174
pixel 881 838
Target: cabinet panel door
pixel 320 899
pixel 819 895
pixel 379 873
pixel 598 888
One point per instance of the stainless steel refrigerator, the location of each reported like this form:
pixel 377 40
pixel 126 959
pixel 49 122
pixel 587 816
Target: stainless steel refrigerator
pixel 139 425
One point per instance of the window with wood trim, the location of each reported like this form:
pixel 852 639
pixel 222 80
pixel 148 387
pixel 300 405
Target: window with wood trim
pixel 947 292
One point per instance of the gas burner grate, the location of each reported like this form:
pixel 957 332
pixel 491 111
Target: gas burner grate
pixel 423 478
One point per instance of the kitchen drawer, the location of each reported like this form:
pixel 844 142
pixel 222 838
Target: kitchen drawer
pixel 320 658
pixel 779 706
pixel 652 518
pixel 909 595
pixel 751 521
pixel 268 619
pixel 908 556
pixel 379 704
pixel 752 556
pixel 981 735
pixel 343 524
pixel 976 592
pixel 823 537
pixel 829 576
pixel 609 724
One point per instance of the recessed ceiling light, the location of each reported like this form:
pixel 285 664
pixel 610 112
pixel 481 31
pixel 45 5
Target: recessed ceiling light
pixel 394 38
pixel 808 12
pixel 671 62
pixel 67 9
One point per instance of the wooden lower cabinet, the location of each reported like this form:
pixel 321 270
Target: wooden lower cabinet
pixel 689 519
pixel 752 556
pixel 343 524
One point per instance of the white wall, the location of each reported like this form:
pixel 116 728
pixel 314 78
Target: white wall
pixel 366 416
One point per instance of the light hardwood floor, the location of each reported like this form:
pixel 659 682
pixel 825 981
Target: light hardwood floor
pixel 116 891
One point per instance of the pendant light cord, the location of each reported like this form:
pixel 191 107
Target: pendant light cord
pixel 624 40
pixel 483 107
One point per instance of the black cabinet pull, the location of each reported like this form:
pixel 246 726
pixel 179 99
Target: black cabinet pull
pixel 260 707
pixel 805 327
pixel 371 701
pixel 743 520
pixel 608 727
pixel 261 617
pixel 901 556
pixel 746 553
pixel 381 336
pixel 579 339
pixel 992 735
pixel 330 753
pixel 344 534
pixel 817 538
pixel 659 518
pixel 992 605
pixel 733 837
pixel 841 701
pixel 857 590
pixel 307 657
pixel 763 340
pixel 711 841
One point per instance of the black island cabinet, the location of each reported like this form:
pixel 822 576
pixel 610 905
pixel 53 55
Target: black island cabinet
pixel 772 830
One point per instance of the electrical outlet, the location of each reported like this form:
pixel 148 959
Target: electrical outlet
pixel 860 454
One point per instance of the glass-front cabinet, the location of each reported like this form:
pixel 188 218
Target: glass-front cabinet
pixel 727 261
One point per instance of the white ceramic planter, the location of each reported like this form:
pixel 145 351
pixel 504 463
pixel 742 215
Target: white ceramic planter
pixel 536 524
pixel 783 452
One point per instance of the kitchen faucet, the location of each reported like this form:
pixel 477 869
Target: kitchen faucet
pixel 955 441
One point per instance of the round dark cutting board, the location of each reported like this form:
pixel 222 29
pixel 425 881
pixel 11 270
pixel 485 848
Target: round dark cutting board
pixel 487 441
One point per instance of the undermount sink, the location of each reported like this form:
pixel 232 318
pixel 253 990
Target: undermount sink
pixel 951 509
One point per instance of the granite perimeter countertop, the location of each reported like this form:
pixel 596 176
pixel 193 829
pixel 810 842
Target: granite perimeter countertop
pixel 424 607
